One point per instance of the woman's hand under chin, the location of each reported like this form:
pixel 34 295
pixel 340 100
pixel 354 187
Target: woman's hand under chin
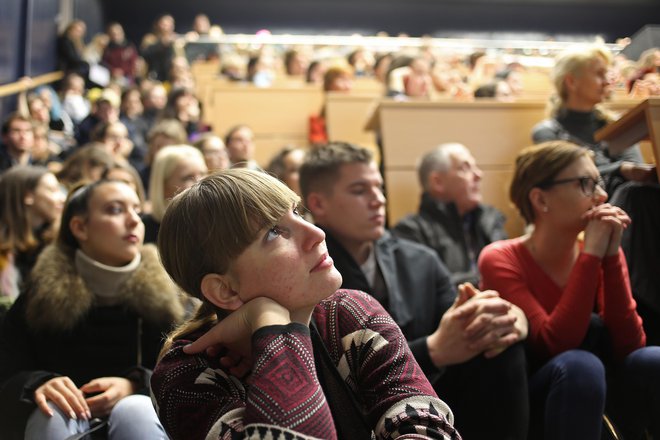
pixel 235 331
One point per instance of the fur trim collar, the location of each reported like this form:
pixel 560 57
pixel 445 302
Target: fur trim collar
pixel 59 298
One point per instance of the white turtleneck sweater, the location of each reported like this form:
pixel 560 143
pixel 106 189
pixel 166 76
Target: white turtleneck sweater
pixel 103 280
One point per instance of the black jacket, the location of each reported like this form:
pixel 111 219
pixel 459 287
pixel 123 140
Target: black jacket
pixel 579 128
pixel 419 290
pixel 56 328
pixel 438 226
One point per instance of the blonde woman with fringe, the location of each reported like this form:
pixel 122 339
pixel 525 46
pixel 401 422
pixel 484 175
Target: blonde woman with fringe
pixel 322 363
pixel 175 168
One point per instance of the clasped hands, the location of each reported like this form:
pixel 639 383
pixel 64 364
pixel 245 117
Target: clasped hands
pixel 76 402
pixel 477 322
pixel 605 226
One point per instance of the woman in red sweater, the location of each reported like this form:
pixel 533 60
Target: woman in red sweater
pixel 570 277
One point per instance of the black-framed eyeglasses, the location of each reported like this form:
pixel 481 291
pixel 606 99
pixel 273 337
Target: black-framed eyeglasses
pixel 587 184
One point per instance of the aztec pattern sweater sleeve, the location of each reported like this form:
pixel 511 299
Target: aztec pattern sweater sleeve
pixel 196 398
pixel 374 359
pixel 559 317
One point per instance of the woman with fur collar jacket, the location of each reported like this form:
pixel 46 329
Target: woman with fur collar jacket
pixel 81 341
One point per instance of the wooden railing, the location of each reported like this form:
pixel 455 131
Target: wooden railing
pixel 29 83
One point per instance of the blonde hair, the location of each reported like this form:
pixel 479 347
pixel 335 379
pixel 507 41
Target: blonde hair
pixel 207 226
pixel 573 62
pixel 165 162
pixel 537 166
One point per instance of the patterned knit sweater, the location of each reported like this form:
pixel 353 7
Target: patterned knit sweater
pixel 282 398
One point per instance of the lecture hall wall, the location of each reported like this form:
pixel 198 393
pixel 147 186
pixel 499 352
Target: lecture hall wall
pixel 28 27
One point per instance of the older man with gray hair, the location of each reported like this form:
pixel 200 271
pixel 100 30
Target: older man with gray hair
pixel 452 219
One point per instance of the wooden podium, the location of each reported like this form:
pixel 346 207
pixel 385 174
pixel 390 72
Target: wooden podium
pixel 640 123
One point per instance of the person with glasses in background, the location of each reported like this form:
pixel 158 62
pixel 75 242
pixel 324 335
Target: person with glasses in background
pixel 586 344
pixel 580 78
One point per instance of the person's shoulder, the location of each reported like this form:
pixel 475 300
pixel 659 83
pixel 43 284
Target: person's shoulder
pixel 356 304
pixel 546 130
pixel 502 250
pixel 504 245
pixel 409 247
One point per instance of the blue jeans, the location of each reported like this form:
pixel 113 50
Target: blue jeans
pixel 568 395
pixel 634 393
pixel 133 417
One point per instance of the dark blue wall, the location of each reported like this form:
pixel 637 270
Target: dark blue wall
pixel 28 29
pixel 610 18
pixel 11 32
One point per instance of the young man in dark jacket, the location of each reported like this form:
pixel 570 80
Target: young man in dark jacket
pixel 466 343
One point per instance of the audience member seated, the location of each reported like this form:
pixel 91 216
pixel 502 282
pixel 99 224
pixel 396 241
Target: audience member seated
pixel 86 164
pixel 114 135
pixel 337 79
pixel 315 72
pixel 164 133
pixel 183 105
pixel 452 220
pixel 120 56
pixel 202 51
pixel 260 71
pixel 269 293
pixel 409 77
pixel 45 152
pixel 240 146
pixel 17 141
pixel 104 109
pixel 154 100
pixel 80 342
pixel 381 67
pixel 214 151
pixel 466 343
pixel 175 168
pixel 361 62
pixel 295 64
pixel 132 116
pixel 586 341
pixel 57 132
pixel 74 103
pixel 30 206
pixel 158 48
pixel 285 165
pixel 513 78
pixel 498 89
pixel 70 47
pixel 122 171
pixel 58 119
pixel 581 83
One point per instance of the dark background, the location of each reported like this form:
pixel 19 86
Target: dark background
pixel 28 27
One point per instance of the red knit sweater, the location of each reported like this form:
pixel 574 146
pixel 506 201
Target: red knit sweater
pixel 559 316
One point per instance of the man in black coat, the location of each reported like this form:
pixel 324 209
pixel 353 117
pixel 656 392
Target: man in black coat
pixel 452 220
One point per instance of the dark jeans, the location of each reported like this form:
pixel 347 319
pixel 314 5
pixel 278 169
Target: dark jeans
pixel 488 397
pixel 568 395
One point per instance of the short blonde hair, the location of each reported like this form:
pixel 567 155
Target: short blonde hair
pixel 573 62
pixel 165 163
